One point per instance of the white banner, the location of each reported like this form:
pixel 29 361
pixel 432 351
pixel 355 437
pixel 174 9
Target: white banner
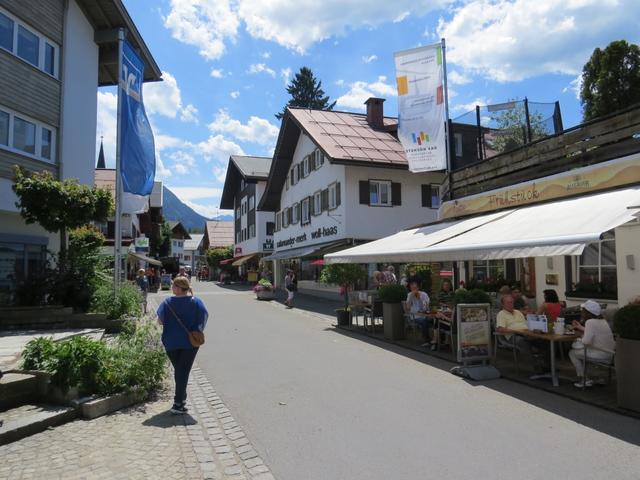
pixel 421 107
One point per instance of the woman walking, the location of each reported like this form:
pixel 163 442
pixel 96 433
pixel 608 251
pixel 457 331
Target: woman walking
pixel 290 284
pixel 183 318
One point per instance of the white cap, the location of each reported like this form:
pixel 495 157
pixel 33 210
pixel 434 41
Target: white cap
pixel 592 307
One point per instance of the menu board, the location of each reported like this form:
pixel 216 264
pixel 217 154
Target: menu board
pixel 474 331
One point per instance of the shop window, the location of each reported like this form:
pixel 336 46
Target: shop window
pixel 18 261
pixel 317 203
pixel 483 271
pixel 597 270
pixel 306 214
pixel 379 193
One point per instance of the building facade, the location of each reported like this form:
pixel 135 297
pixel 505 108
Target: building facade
pixel 340 179
pixel 253 230
pixel 193 251
pixel 53 56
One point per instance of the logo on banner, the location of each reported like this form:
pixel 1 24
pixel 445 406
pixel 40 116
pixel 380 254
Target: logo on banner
pixel 420 138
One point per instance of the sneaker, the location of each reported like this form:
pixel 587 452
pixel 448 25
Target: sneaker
pixel 588 383
pixel 178 409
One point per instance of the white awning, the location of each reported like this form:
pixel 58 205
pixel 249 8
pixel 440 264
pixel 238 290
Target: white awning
pixel 563 227
pixel 301 252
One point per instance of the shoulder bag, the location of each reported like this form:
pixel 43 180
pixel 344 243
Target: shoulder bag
pixel 196 338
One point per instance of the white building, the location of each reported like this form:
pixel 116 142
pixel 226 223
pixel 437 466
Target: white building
pixel 339 179
pixel 53 57
pixel 193 253
pixel 244 185
pixel 179 235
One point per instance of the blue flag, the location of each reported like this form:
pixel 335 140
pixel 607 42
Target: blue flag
pixel 137 149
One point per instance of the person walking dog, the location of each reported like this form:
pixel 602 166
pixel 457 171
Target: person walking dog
pixel 183 318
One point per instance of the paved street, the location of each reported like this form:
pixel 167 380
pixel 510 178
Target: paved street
pixel 320 404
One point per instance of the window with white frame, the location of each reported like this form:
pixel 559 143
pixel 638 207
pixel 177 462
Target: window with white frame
pixel 285 218
pixel 26 136
pixel 305 166
pixel 435 196
pixel 305 214
pixel 278 221
pixel 295 174
pixel 295 215
pixel 379 193
pixel 597 264
pixel 317 203
pixel 319 158
pixel 252 230
pixel 333 196
pixel 483 270
pixel 28 45
pixel 252 202
pixel 457 137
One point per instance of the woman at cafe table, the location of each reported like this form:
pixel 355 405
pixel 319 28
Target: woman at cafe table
pixel 596 336
pixel 551 306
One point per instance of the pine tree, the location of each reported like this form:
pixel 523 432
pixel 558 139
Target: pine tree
pixel 306 91
pixel 611 79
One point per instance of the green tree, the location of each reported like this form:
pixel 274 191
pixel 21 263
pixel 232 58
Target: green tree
pixel 511 128
pixel 611 79
pixel 58 205
pixel 216 255
pixel 162 248
pixel 306 91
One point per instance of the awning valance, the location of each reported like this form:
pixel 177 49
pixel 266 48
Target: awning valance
pixel 227 261
pixel 563 227
pixel 144 258
pixel 303 251
pixel 243 260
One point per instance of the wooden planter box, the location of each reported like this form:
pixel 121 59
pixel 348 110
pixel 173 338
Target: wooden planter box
pixel 265 295
pixel 393 321
pixel 628 373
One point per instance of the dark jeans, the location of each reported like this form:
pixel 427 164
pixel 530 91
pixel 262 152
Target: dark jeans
pixel 182 361
pixel 425 323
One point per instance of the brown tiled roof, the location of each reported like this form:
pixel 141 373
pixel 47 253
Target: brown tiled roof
pixel 219 234
pixel 106 178
pixel 347 136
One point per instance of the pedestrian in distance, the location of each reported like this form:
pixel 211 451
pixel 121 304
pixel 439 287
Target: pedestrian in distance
pixel 290 285
pixel 143 285
pixel 183 318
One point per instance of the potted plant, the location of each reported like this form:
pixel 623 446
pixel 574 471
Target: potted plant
pixel 626 324
pixel 345 275
pixel 392 296
pixel 264 290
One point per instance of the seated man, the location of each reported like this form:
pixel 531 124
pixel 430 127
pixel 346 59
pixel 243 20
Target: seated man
pixel 417 305
pixel 511 319
pixel 520 301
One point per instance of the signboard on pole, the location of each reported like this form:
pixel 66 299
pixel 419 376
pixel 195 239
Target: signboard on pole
pixel 137 148
pixel 474 331
pixel 142 244
pixel 422 111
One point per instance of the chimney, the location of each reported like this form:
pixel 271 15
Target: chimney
pixel 375 112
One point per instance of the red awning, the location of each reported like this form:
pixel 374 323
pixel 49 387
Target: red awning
pixel 227 261
pixel 317 262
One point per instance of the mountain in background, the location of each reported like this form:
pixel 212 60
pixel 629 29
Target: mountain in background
pixel 173 209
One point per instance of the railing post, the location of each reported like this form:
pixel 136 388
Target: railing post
pixel 528 120
pixel 557 118
pixel 480 139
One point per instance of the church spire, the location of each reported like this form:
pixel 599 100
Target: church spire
pixel 101 162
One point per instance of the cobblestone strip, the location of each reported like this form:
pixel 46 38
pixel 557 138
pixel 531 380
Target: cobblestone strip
pixel 221 447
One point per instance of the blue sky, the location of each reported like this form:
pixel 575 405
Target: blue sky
pixel 226 65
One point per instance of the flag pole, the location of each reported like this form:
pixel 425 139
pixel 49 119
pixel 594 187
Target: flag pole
pixel 446 110
pixel 118 220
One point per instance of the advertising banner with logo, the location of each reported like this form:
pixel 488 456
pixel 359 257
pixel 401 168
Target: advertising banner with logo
pixel 137 149
pixel 142 245
pixel 422 112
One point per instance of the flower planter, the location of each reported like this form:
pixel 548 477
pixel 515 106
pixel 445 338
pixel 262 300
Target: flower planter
pixel 393 321
pixel 628 373
pixel 265 294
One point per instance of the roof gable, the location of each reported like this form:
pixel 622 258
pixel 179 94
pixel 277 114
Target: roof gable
pixel 246 167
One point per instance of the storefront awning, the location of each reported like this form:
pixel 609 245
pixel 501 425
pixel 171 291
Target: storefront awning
pixel 243 260
pixel 144 258
pixel 227 261
pixel 563 227
pixel 303 251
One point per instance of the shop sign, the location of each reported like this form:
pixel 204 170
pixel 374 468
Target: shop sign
pixel 474 331
pixel 142 244
pixel 268 245
pixel 446 273
pixel 585 180
pixel 316 234
pixel 238 251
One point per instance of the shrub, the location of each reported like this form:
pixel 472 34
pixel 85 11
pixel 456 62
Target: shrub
pixel 135 359
pixel 263 285
pixel 127 302
pixel 345 275
pixel 471 296
pixel 392 293
pixel 626 322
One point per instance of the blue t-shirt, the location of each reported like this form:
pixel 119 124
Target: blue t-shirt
pixel 191 312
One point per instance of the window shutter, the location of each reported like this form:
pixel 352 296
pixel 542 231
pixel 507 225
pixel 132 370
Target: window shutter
pixel 364 192
pixel 298 211
pixel 289 215
pixel 396 193
pixel 311 206
pixel 338 196
pixel 426 195
pixel 325 199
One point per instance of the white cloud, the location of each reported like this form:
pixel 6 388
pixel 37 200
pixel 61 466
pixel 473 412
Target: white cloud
pixel 285 73
pixel 266 55
pixel 220 173
pixel 205 24
pixel 256 130
pixel 217 73
pixel 261 68
pixel 210 211
pixel 370 58
pixel 189 114
pixel 511 40
pixel 106 125
pixel 457 78
pixel 196 193
pixel 180 169
pixel 183 158
pixel 360 91
pixel 216 148
pixel 460 108
pixel 574 86
pixel 235 94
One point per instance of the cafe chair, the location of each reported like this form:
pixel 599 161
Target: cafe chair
pixel 371 313
pixel 609 364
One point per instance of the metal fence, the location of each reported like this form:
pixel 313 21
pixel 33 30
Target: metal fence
pixel 490 130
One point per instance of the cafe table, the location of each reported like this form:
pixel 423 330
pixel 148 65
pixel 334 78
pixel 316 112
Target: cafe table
pixel 552 338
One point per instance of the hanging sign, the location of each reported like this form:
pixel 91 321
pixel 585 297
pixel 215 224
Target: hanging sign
pixel 422 111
